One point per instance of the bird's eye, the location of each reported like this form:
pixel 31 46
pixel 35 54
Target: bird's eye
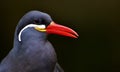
pixel 43 22
pixel 36 21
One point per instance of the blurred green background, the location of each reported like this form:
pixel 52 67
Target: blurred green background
pixel 96 21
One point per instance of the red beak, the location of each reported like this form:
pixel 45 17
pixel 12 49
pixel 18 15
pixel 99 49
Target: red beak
pixel 54 28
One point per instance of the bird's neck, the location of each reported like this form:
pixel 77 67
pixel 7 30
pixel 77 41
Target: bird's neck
pixel 32 41
pixel 30 36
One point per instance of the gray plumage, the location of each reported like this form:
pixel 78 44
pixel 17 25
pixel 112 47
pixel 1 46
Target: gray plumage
pixel 34 53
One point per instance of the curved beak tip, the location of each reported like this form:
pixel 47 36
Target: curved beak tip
pixel 54 28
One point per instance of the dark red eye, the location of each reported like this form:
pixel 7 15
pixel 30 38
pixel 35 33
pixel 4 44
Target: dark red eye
pixel 36 21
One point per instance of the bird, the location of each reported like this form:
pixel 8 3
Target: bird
pixel 31 51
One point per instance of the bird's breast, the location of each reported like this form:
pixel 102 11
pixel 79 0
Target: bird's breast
pixel 38 55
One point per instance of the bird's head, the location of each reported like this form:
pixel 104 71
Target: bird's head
pixel 42 22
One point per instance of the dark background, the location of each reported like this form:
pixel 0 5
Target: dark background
pixel 96 21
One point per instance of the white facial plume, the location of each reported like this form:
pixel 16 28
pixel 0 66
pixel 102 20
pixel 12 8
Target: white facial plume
pixel 30 25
